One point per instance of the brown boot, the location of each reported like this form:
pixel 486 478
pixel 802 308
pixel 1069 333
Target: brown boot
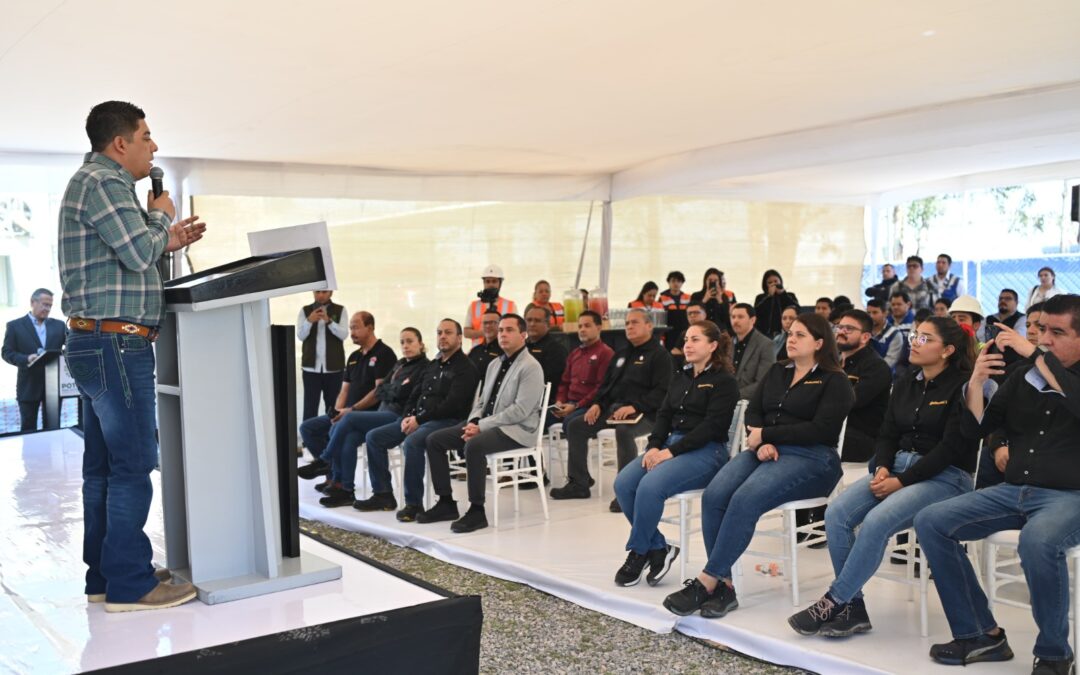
pixel 162 574
pixel 164 595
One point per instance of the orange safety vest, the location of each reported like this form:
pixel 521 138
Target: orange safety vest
pixel 476 313
pixel 558 316
pixel 669 302
pixel 638 304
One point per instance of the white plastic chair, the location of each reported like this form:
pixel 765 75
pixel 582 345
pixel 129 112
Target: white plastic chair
pixel 603 451
pixel 685 500
pixel 514 466
pixel 911 554
pixel 815 532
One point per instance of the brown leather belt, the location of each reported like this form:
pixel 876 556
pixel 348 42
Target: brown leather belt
pixel 109 326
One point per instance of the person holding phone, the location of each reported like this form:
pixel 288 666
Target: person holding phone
pixel 716 299
pixel 322 327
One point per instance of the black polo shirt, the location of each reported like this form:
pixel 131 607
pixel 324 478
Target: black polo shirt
pixel 637 376
pixel 808 412
pixel 552 357
pixel 363 368
pixel 446 390
pixel 870 379
pixel 482 355
pixel 700 407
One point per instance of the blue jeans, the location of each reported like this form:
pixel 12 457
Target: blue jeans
pixel 642 493
pixel 345 438
pixel 1048 524
pixel 115 377
pixel 381 439
pixel 855 559
pixel 746 489
pixel 315 433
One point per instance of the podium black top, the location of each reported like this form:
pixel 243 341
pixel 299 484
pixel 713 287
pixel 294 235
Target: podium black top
pixel 256 274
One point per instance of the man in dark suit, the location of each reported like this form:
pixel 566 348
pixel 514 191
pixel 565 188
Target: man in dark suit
pixel 25 340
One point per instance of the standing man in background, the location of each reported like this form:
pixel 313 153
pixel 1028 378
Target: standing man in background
pixel 25 341
pixel 489 298
pixel 321 327
pixel 109 247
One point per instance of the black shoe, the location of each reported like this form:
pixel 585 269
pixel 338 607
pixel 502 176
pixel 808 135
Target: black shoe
pixel 632 570
pixel 660 562
pixel 444 509
pixel 851 619
pixel 1048 667
pixel 322 487
pixel 474 519
pixel 313 470
pixel 380 501
pixel 723 600
pixel 810 620
pixel 528 486
pixel 614 506
pixel 571 490
pixel 689 600
pixel 409 513
pixel 336 496
pixel 963 651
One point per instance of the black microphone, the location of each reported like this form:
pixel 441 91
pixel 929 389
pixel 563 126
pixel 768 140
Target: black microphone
pixel 156 174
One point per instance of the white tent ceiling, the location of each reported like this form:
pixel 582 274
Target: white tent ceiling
pixel 833 99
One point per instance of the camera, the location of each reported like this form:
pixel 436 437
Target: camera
pixel 488 296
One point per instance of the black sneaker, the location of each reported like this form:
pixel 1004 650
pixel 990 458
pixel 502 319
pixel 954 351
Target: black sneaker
pixel 723 600
pixel 810 620
pixel 313 470
pixel 660 560
pixel 336 496
pixel 571 490
pixel 851 619
pixel 632 570
pixel 474 519
pixel 380 501
pixel 409 513
pixel 614 506
pixel 323 486
pixel 444 509
pixel 689 600
pixel 963 651
pixel 1048 667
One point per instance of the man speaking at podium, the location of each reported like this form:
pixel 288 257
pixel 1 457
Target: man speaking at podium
pixel 109 247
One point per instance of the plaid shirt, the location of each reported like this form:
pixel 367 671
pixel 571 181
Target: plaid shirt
pixel 109 247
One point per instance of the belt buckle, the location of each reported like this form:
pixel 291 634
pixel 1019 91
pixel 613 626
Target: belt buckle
pixel 130 328
pixel 82 323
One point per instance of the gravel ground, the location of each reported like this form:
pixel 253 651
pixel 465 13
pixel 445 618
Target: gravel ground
pixel 528 631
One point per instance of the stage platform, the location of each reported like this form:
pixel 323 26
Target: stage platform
pixel 372 614
pixel 575 556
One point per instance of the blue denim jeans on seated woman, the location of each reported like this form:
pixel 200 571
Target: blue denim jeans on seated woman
pixel 346 435
pixel 856 558
pixel 746 489
pixel 115 377
pixel 642 493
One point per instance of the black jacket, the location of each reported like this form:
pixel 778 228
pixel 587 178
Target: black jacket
pixel 482 355
pixel 20 341
pixel 769 309
pixel 807 413
pixel 395 390
pixel 446 390
pixel 700 407
pixel 637 376
pixel 551 353
pixel 717 311
pixel 925 417
pixel 880 290
pixel 871 379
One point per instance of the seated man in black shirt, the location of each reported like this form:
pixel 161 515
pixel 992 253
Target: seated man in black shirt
pixel 483 354
pixel 871 379
pixel 1038 408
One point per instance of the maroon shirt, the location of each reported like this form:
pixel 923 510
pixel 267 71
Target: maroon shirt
pixel 585 368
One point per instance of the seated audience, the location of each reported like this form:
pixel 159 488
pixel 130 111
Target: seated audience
pixel 1008 314
pixel 941 307
pixel 914 285
pixel 752 354
pixel 695 314
pixel 675 302
pixel 1036 408
pixel 364 369
pixel 922 315
pixel 886 339
pixel 634 386
pixel 488 350
pixel 646 297
pixel 716 299
pixel 794 422
pixel 442 397
pixel 505 416
pixel 585 368
pixel 880 290
pixel 780 341
pixel 901 317
pixel 921 459
pixel 347 434
pixel 686 448
pixel 771 303
pixel 546 349
pixel 871 380
pixel 966 311
pixel 542 298
pixel 823 307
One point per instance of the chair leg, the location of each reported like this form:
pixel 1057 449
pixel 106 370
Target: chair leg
pixel 540 483
pixel 990 560
pixel 793 555
pixel 924 585
pixel 684 526
pixel 1076 605
pixel 493 468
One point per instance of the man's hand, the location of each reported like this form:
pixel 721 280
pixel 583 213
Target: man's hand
pixel 654 457
pixel 562 409
pixel 184 233
pixel 1001 458
pixel 162 203
pixel 768 453
pixel 469 431
pixel 409 425
pixel 318 314
pixel 1007 337
pixel 676 352
pixel 753 438
pixel 31 358
pixel 337 416
pixel 625 412
pixel 987 365
pixel 592 414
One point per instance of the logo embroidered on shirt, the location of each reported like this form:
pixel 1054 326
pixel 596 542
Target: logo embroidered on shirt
pixel 620 362
pixel 812 382
pixel 705 386
pixel 939 402
pixel 372 361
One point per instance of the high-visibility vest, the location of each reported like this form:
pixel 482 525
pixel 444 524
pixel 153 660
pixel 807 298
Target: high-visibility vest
pixel 476 313
pixel 638 304
pixel 669 302
pixel 558 316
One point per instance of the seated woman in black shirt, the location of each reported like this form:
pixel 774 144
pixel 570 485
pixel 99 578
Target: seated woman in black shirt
pixel 794 422
pixel 686 448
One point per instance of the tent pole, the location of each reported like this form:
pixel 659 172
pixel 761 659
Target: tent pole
pixel 605 246
pixel 584 244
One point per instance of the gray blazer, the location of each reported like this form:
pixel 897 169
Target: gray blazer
pixel 756 361
pixel 517 406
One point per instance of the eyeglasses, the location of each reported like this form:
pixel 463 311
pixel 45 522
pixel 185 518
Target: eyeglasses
pixel 841 328
pixel 920 339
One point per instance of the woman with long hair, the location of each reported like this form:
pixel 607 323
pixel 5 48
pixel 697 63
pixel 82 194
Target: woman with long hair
pixel 771 302
pixel 1046 289
pixel 646 298
pixel 794 421
pixel 920 459
pixel 715 298
pixel 686 448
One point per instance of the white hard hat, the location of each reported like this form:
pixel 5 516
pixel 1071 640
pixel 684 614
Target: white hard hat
pixel 968 305
pixel 492 271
